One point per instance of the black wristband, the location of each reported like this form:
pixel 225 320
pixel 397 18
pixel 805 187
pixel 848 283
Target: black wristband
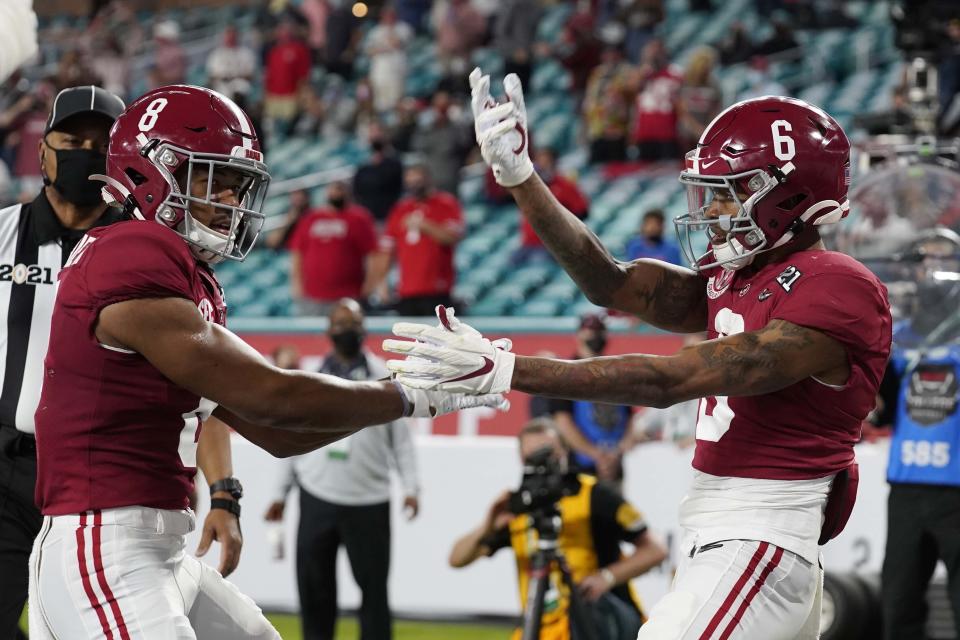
pixel 227 505
pixel 228 485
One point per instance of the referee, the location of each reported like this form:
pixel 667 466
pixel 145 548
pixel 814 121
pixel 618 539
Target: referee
pixel 35 241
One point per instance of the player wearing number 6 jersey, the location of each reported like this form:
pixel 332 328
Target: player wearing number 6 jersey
pixel 138 358
pixel 799 339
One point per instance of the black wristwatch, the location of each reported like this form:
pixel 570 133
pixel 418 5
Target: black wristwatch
pixel 229 485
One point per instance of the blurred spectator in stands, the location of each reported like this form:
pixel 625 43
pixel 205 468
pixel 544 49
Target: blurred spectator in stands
pixel 760 81
pixel 169 58
pixel 343 38
pixel 330 248
pixel 579 50
pixel 651 243
pixel 655 133
pixel 386 46
pixel 640 19
pixel 20 102
pixel 345 497
pixel 444 138
pixel 111 65
pixel 606 107
pixel 312 113
pixel 459 29
pixel 949 75
pixel 737 46
pixel 315 12
pixel 286 356
pixel 28 131
pixel 782 39
pixel 404 125
pixel 72 71
pixel 378 184
pixel 515 33
pixel 593 430
pixel 414 13
pixel 422 230
pixel 299 204
pixel 566 192
pixel 287 69
pixel 364 114
pixel 700 97
pixel 231 67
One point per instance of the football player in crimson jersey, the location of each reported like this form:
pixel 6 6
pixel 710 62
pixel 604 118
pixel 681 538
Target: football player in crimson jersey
pixel 799 337
pixel 139 358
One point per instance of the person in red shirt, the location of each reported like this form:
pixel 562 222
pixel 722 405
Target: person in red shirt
pixel 422 230
pixel 655 132
pixel 566 192
pixel 330 248
pixel 287 68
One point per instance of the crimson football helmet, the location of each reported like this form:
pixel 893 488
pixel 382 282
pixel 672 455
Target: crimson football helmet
pixel 170 133
pixel 784 162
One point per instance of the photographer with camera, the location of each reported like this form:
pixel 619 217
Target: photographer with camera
pixel 565 530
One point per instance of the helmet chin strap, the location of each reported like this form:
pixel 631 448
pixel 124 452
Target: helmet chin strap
pixel 206 244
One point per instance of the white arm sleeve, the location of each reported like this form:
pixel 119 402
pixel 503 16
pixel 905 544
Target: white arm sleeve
pixel 18 35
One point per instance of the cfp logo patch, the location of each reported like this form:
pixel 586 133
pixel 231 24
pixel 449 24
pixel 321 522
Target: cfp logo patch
pixel 26 274
pixel 206 309
pixel 716 285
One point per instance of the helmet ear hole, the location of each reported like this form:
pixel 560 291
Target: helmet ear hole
pixel 789 204
pixel 135 176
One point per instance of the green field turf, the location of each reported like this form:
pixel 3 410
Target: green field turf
pixel 289 627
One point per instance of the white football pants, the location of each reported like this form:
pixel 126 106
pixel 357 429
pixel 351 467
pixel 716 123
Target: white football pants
pixel 123 574
pixel 739 590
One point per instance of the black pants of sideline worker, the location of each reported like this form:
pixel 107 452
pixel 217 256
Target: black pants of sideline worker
pixel 20 522
pixel 365 533
pixel 923 525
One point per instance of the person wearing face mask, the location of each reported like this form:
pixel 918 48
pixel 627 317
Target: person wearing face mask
pixel 345 497
pixel 423 230
pixel 35 240
pixel 650 243
pixel 379 183
pixel 330 250
pixel 596 432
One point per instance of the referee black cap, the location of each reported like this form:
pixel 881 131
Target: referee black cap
pixel 87 99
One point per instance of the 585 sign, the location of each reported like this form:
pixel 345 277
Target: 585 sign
pixel 26 274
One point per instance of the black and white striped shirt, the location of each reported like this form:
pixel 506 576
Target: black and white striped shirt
pixel 33 247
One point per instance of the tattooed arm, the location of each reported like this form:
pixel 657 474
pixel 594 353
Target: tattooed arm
pixel 664 295
pixel 745 364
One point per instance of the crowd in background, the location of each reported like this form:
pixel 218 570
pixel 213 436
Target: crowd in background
pixel 319 69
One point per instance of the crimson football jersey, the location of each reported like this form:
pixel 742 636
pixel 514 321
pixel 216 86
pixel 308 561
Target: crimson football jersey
pixel 112 431
pixel 808 429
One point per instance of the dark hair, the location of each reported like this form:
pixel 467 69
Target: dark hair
pixel 538 426
pixel 654 213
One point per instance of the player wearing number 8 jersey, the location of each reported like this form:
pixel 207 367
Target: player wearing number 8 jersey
pixel 138 358
pixel 799 340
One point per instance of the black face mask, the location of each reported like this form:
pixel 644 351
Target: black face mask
pixel 658 239
pixel 419 191
pixel 597 343
pixel 348 343
pixel 338 203
pixel 73 168
pixel 377 145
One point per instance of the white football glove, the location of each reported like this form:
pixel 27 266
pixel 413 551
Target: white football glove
pixel 501 129
pixel 436 402
pixel 451 357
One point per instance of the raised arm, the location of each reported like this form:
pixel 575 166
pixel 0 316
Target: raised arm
pixel 214 363
pixel 745 364
pixel 661 294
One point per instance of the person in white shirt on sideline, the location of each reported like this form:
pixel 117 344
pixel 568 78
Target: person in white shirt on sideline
pixel 345 497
